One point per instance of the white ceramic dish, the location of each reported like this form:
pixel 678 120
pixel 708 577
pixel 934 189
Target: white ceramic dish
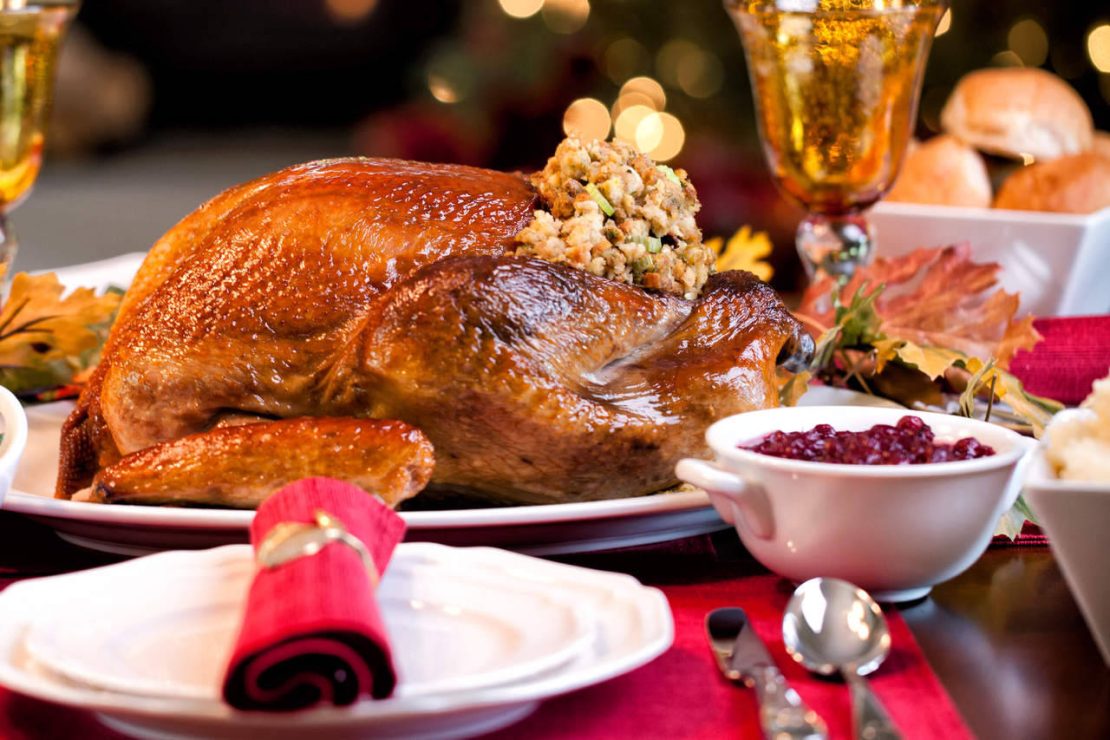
pixel 13 426
pixel 632 626
pixel 1076 517
pixel 167 628
pixel 895 530
pixel 1057 261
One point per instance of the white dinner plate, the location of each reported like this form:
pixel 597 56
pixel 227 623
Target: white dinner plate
pixel 629 625
pixel 167 629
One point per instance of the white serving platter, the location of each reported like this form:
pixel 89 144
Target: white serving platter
pixel 135 530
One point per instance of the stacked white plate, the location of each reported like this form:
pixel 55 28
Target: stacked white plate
pixel 481 636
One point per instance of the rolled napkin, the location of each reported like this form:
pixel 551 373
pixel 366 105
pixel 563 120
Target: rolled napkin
pixel 1075 352
pixel 312 631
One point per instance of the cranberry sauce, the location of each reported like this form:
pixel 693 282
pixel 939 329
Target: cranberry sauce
pixel 910 442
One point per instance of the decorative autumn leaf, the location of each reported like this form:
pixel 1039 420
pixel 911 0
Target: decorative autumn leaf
pixel 933 361
pixel 745 250
pixel 48 337
pixel 935 322
pixel 934 297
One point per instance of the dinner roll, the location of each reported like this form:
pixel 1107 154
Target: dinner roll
pixel 943 171
pixel 1013 111
pixel 1075 184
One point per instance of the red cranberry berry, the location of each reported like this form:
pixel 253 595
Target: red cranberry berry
pixel 909 442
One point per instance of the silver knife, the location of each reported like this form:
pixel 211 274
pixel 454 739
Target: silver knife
pixel 743 657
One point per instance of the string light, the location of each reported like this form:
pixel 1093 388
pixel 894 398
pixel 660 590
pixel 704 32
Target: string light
pixel 521 8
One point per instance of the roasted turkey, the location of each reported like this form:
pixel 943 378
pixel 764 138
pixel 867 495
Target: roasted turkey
pixel 377 289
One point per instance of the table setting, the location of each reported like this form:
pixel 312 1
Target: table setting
pixel 369 446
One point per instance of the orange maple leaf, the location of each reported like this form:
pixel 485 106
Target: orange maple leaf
pixel 934 297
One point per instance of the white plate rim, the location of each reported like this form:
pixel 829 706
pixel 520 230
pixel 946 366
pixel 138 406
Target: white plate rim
pixel 228 519
pixel 649 603
pixel 42 647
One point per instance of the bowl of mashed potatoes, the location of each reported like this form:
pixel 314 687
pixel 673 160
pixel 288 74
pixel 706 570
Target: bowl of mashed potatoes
pixel 1068 487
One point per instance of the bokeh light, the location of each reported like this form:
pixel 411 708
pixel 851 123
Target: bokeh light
pixel 646 87
pixel 683 64
pixel 945 23
pixel 521 8
pixel 1029 41
pixel 700 75
pixel 1006 59
pixel 629 100
pixel 672 139
pixel 350 11
pixel 1098 48
pixel 649 132
pixel 565 16
pixel 624 58
pixel 587 118
pixel 670 56
pixel 441 89
pixel 628 121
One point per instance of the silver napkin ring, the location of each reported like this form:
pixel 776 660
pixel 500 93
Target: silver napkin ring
pixel 292 540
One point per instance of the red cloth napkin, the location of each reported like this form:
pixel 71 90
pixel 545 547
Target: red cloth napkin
pixel 1075 352
pixel 682 695
pixel 312 631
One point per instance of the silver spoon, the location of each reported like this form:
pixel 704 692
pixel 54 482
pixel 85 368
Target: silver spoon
pixel 832 626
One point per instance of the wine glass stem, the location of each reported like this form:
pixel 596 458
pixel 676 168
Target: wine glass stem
pixel 835 245
pixel 9 245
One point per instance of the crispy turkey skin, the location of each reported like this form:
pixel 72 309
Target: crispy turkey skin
pixel 384 289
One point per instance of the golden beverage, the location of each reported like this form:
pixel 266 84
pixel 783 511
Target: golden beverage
pixel 29 38
pixel 836 90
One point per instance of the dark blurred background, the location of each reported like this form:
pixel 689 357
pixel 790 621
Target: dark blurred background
pixel 162 104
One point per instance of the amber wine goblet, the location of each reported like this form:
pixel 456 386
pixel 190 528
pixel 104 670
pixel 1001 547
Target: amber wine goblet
pixel 30 33
pixel 836 86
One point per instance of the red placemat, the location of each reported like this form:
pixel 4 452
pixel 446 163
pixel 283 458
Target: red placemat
pixel 681 694
pixel 1074 353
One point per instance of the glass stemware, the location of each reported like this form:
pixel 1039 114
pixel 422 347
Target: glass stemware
pixel 29 37
pixel 836 86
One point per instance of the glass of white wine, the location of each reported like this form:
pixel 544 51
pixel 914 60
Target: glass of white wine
pixel 30 33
